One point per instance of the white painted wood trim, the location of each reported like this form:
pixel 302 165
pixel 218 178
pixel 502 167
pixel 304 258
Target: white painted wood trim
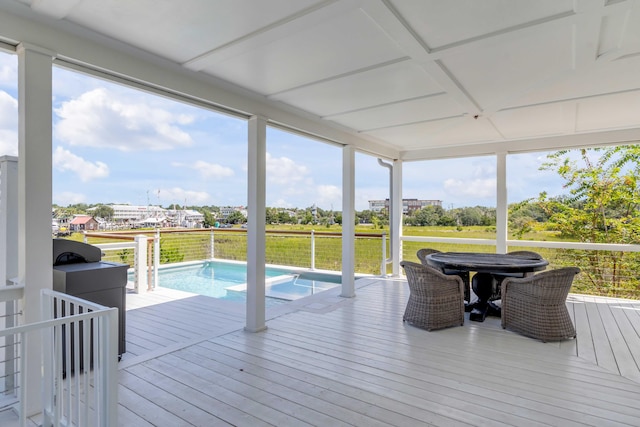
pixel 501 203
pixel 35 269
pixel 396 225
pixel 348 221
pixel 256 230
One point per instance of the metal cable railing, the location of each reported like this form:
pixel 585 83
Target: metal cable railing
pixel 606 270
pixel 293 248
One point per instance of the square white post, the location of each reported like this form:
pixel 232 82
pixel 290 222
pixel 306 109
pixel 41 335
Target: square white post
pixel 501 200
pixel 256 230
pixel 140 264
pixel 396 223
pixel 348 222
pixel 35 246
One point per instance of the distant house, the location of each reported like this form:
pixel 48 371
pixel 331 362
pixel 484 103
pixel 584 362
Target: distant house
pixel 83 222
pixel 408 205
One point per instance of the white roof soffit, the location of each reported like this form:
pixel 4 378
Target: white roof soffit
pixel 403 79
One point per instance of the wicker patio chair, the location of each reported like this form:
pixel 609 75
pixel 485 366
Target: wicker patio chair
pixel 528 254
pixel 497 286
pixel 435 299
pixel 464 275
pixel 535 306
pixel 422 254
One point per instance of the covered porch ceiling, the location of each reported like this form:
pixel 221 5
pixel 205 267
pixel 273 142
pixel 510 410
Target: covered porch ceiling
pixel 406 79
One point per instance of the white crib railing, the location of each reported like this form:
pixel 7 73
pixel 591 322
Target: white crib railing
pixel 9 317
pixel 79 362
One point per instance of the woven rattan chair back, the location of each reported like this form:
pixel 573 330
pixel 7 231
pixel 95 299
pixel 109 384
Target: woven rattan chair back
pixel 464 275
pixel 435 300
pixel 535 306
pixel 526 254
pixel 422 254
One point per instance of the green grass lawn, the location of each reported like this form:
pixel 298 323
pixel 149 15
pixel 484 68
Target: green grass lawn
pixel 604 272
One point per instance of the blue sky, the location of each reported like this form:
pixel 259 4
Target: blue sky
pixel 114 144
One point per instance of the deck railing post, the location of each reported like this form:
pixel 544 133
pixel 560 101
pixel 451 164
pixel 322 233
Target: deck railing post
pixel 212 255
pixel 313 250
pixel 383 265
pixel 156 259
pixel 140 263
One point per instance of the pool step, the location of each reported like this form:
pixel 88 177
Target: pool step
pixel 276 293
pixel 268 283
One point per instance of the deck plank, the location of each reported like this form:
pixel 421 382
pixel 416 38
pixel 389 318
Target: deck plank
pixel 628 356
pixel 327 360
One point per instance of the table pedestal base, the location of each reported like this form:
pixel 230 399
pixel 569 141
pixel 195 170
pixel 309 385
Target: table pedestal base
pixel 479 313
pixel 482 284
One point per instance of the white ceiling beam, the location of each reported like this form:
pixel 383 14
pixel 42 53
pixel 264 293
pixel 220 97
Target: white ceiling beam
pixel 398 29
pixel 56 9
pixel 504 35
pixel 553 143
pixel 628 45
pixel 586 38
pixel 76 45
pixel 300 21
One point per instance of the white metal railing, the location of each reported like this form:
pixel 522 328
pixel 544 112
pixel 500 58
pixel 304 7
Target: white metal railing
pixel 79 362
pixel 528 243
pixel 230 244
pixel 145 267
pixel 10 297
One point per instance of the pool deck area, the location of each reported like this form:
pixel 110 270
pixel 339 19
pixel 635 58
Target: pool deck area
pixel 327 360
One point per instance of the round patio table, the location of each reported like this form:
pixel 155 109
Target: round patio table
pixel 485 263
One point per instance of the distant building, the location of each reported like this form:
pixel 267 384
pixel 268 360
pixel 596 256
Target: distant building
pixel 125 213
pixel 408 205
pixel 83 223
pixel 186 218
pixel 228 210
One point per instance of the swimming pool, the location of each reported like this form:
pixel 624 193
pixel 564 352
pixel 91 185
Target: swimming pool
pixel 226 280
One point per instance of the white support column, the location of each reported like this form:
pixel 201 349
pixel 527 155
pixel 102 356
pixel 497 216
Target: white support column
pixel 256 230
pixel 396 225
pixel 35 267
pixel 348 222
pixel 501 200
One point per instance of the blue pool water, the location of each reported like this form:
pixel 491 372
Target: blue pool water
pixel 227 280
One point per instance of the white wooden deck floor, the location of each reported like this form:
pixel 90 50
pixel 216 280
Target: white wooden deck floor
pixel 332 361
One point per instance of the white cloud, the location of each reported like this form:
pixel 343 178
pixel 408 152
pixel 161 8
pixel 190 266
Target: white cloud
pixel 8 70
pixel 64 160
pixel 327 195
pixel 102 118
pixel 208 170
pixel 283 171
pixel 8 124
pixel 66 198
pixel 474 189
pixel 282 203
pixel 8 111
pixel 8 143
pixel 181 196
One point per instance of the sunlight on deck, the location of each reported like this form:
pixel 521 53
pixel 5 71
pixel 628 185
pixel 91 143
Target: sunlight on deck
pixel 327 360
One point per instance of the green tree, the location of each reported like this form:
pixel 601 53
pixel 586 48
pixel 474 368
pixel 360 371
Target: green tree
pixel 602 207
pixel 103 211
pixel 429 215
pixel 209 218
pixel 236 217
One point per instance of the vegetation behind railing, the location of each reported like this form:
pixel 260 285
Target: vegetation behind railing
pixel 614 273
pixel 624 266
pixel 283 247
